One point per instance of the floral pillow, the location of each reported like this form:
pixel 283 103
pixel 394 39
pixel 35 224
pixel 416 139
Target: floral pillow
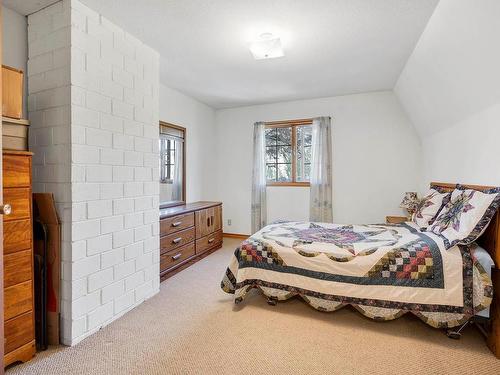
pixel 428 207
pixel 466 216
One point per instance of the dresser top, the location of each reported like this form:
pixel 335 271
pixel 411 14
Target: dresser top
pixel 186 208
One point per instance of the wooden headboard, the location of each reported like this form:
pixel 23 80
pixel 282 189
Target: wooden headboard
pixel 490 241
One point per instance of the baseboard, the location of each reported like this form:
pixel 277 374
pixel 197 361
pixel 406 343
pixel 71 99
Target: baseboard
pixel 236 235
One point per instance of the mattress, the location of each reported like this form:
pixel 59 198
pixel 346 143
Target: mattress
pixel 383 271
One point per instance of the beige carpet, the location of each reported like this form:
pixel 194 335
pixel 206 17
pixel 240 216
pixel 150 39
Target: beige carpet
pixel 192 327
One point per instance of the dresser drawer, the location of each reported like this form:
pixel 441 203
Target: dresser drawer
pixel 176 223
pixel 17 268
pixel 16 171
pixel 20 200
pixel 176 256
pixel 17 235
pixel 19 331
pixel 18 299
pixel 177 239
pixel 208 242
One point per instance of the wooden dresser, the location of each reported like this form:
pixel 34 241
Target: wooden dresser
pixel 19 317
pixel 187 233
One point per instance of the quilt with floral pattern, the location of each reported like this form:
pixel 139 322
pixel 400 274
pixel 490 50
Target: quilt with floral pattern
pixel 384 271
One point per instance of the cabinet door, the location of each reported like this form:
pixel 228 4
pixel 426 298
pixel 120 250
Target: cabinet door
pixel 217 218
pixel 203 222
pixel 208 221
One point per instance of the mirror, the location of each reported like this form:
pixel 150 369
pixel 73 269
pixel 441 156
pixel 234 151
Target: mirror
pixel 172 142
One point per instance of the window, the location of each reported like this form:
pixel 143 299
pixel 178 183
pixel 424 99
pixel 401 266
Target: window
pixel 167 159
pixel 288 153
pixel 172 145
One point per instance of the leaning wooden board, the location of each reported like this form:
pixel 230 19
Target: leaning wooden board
pixel 188 233
pixel 45 211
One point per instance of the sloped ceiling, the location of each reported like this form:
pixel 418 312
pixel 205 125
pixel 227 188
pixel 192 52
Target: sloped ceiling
pixel 454 71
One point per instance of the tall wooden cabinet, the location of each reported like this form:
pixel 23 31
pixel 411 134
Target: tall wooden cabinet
pixel 19 317
pixel 187 233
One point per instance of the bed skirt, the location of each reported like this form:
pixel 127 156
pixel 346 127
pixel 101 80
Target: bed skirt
pixel 483 294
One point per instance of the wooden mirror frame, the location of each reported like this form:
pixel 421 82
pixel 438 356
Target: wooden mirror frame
pixel 183 201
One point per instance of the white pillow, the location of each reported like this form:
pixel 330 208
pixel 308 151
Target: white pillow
pixel 429 206
pixel 466 216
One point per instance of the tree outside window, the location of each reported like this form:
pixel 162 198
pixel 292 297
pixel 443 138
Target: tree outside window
pixel 288 154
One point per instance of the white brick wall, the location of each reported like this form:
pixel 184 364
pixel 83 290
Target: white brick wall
pixel 50 112
pixel 93 102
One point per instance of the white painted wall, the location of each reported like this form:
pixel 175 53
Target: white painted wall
pixel 376 158
pixel 15 46
pixel 199 121
pixel 94 97
pixel 467 152
pixel 450 88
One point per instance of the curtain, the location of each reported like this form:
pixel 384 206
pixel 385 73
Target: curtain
pixel 321 171
pixel 259 207
pixel 177 178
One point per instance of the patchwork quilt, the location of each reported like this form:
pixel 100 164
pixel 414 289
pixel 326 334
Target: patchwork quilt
pixel 384 271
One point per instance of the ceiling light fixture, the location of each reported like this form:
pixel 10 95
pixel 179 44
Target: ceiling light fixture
pixel 266 47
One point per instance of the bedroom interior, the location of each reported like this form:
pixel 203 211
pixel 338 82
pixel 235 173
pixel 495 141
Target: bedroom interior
pixel 210 186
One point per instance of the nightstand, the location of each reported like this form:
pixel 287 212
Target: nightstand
pixel 395 219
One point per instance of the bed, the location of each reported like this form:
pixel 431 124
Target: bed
pixel 382 270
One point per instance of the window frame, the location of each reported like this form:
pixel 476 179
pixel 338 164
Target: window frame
pixel 293 124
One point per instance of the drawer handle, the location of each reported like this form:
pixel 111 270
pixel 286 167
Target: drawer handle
pixel 176 224
pixel 176 256
pixel 208 221
pixel 177 240
pixel 6 209
pixel 211 240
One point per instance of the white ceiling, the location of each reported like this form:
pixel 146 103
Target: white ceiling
pixel 332 47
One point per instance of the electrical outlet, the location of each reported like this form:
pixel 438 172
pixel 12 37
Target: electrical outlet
pixel 228 221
